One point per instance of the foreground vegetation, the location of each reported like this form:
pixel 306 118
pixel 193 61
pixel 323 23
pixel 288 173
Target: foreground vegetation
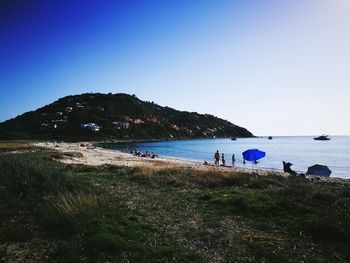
pixel 52 212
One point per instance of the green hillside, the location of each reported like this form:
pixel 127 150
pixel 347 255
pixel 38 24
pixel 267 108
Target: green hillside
pixel 116 116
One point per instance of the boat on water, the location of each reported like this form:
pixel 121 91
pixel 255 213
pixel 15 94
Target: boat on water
pixel 233 138
pixel 322 138
pixel 270 137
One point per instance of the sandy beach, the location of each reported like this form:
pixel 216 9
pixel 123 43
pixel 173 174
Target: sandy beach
pixel 88 154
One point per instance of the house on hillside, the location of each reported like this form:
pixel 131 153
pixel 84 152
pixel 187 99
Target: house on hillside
pixel 69 109
pixel 91 126
pixel 79 105
pixel 138 121
pixel 211 130
pixel 175 127
pixel 121 125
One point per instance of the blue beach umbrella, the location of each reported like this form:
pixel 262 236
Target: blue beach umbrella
pixel 253 155
pixel 320 170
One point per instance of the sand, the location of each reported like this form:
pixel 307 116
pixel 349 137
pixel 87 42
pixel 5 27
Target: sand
pixel 88 154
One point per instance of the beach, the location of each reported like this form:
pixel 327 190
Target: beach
pixel 88 154
pixel 301 151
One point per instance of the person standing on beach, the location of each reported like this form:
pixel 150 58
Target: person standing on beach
pixel 217 158
pixel 223 159
pixel 233 160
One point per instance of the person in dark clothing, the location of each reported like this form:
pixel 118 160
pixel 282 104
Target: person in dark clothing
pixel 233 160
pixel 217 158
pixel 223 159
pixel 287 169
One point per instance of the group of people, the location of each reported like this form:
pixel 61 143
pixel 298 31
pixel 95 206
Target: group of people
pixel 223 161
pixel 145 154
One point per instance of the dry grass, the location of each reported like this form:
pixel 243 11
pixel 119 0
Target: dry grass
pixel 72 204
pixel 16 146
pixel 190 177
pixel 56 155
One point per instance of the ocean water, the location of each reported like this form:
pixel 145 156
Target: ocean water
pixel 301 151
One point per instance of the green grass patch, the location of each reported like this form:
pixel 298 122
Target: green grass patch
pixel 292 209
pixel 73 205
pixel 249 203
pixel 124 214
pixel 29 176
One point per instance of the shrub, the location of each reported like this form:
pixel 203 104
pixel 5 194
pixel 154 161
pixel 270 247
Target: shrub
pixel 25 175
pixel 72 204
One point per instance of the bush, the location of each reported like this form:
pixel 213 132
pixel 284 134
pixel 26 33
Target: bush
pixel 25 175
pixel 78 204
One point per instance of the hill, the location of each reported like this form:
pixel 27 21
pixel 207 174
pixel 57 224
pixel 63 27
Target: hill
pixel 96 116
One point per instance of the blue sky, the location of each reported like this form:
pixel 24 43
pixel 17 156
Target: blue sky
pixel 274 67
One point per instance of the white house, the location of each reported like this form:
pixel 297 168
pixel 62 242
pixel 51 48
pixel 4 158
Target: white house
pixel 121 125
pixel 92 126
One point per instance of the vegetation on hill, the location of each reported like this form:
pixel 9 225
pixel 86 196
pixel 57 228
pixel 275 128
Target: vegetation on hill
pixel 116 116
pixel 52 212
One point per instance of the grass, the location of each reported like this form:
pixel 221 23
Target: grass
pixel 320 221
pixel 80 203
pixel 188 177
pixel 27 176
pixel 16 146
pixel 61 155
pixel 125 214
pixel 65 204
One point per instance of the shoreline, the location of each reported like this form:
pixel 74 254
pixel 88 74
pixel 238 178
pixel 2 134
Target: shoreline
pixel 90 154
pixel 87 153
pixel 271 167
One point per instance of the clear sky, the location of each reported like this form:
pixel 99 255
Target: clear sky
pixel 274 67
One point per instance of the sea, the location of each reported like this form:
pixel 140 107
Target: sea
pixel 301 151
